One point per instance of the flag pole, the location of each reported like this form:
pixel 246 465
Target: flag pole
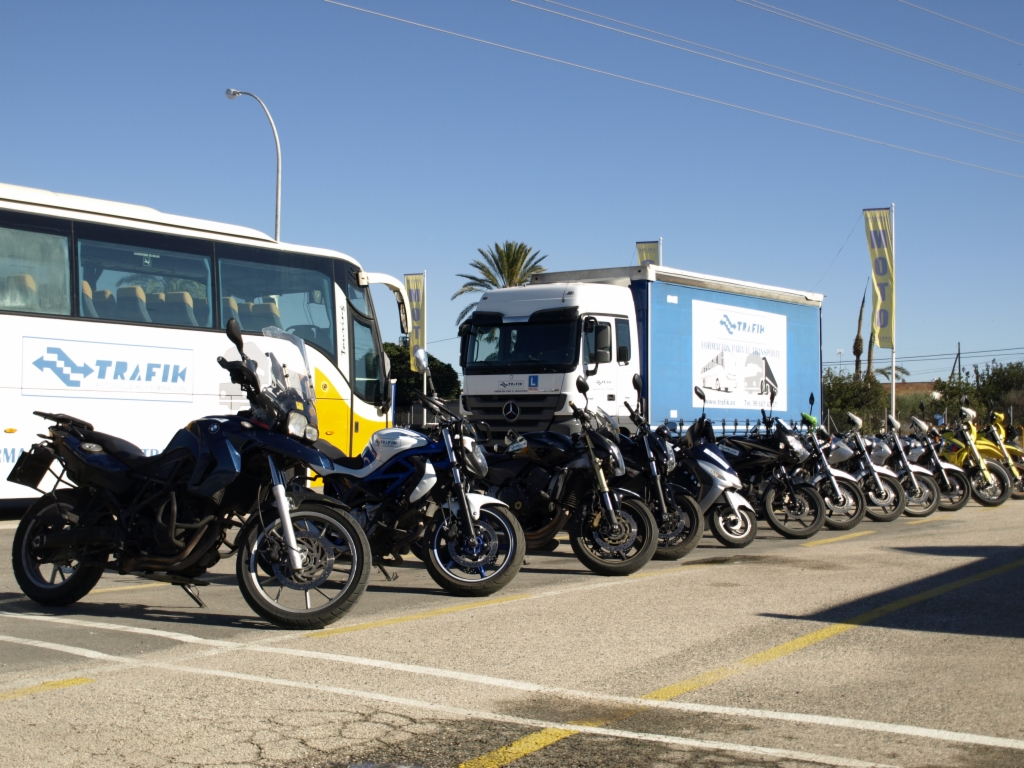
pixel 892 225
pixel 425 329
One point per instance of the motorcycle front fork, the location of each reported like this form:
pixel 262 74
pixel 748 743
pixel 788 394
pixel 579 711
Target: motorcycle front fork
pixel 285 514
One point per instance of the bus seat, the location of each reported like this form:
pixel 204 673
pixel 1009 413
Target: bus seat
pixel 20 293
pixel 264 315
pixel 156 306
pixel 228 309
pixel 131 305
pixel 268 299
pixel 179 309
pixel 88 309
pixel 105 304
pixel 201 309
pixel 245 315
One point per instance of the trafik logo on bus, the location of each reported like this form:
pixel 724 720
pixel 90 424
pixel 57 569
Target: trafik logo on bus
pixel 740 325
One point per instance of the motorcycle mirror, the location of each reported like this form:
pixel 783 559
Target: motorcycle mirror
pixel 811 399
pixel 581 385
pixel 234 331
pixel 965 400
pixel 672 426
pixel 421 360
pixel 638 383
pixel 921 406
pixel 699 393
pixel 771 397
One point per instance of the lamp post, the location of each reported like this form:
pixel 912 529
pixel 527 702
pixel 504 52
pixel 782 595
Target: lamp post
pixel 231 93
pixel 840 353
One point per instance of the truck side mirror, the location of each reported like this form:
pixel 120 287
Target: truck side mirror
pixel 638 382
pixel 603 344
pixel 464 329
pixel 589 324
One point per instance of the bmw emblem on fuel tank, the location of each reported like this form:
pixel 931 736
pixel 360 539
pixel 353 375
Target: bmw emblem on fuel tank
pixel 510 411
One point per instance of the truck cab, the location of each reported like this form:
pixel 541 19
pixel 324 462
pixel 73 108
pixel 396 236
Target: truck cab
pixel 523 348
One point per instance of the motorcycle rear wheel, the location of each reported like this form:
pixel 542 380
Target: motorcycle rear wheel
pixel 732 529
pixel 336 557
pixel 69 579
pixel 796 515
pixel 958 492
pixel 611 557
pixel 848 514
pixel 924 502
pixel 886 506
pixel 991 494
pixel 493 561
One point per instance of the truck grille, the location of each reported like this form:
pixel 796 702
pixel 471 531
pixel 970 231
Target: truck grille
pixel 536 412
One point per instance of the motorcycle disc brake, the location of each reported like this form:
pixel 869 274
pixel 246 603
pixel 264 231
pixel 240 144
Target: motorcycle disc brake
pixel 486 549
pixel 317 556
pixel 617 542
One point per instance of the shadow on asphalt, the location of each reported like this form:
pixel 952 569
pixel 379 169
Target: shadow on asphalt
pixel 986 608
pixel 140 612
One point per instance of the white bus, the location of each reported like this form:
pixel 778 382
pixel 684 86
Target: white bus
pixel 113 313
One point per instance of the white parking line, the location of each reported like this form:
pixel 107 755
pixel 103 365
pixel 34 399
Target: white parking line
pixel 519 685
pixel 9 525
pixel 713 746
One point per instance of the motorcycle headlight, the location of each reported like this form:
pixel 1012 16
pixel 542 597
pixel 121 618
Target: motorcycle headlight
pixel 312 433
pixel 296 424
pixel 797 445
pixel 670 456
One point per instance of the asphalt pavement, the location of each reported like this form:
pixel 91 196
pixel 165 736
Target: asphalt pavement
pixel 893 644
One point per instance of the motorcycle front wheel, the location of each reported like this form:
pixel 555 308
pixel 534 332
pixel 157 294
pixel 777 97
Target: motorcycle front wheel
pixel 925 500
pixel 680 527
pixel 844 514
pixel 477 566
pixel 994 493
pixel 956 493
pixel 796 515
pixel 1018 485
pixel 335 567
pixel 734 529
pixel 610 552
pixel 889 503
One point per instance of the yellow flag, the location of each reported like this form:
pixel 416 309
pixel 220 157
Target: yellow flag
pixel 878 226
pixel 648 251
pixel 416 287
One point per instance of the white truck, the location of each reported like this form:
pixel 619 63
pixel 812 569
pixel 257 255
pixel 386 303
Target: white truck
pixel 523 348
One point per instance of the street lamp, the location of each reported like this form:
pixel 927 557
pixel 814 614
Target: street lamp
pixel 840 353
pixel 231 93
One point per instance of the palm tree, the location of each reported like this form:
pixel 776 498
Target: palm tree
pixel 503 266
pixel 901 372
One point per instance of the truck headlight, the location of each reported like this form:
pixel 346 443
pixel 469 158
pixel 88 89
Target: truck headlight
pixel 296 424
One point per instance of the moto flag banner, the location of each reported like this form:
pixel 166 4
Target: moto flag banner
pixel 649 251
pixel 416 287
pixel 878 226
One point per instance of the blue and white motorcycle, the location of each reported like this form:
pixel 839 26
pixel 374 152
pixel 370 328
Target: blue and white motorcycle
pixel 409 493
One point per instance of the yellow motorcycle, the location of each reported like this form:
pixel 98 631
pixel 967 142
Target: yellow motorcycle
pixel 991 485
pixel 1008 454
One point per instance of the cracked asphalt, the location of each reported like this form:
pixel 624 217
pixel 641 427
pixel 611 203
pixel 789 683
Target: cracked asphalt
pixel 899 646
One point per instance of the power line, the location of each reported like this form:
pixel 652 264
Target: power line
pixel 1002 352
pixel 961 23
pixel 762 6
pixel 667 89
pixel 840 249
pixel 952 120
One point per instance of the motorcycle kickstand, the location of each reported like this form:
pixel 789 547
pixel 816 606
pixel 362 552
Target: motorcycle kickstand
pixel 387 576
pixel 192 592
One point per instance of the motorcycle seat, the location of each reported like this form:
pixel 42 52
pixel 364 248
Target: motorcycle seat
pixel 121 449
pixel 336 455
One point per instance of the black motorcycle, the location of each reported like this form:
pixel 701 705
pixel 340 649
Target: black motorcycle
pixel 649 461
pixel 166 517
pixel 767 463
pixel 551 480
pixel 845 503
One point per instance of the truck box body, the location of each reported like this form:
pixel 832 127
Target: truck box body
pixel 739 341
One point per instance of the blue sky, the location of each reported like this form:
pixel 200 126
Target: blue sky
pixel 409 149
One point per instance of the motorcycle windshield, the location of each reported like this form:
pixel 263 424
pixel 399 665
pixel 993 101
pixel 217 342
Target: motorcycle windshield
pixel 604 426
pixel 284 372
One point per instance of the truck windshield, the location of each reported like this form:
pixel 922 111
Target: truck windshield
pixel 545 347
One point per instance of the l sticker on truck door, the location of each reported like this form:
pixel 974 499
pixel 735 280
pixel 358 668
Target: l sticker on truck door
pixel 739 356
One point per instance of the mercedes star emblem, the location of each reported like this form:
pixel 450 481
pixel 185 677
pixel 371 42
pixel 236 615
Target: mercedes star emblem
pixel 510 411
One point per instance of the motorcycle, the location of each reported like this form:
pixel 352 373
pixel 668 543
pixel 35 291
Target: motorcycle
pixel 1011 456
pixel 845 504
pixel 649 461
pixel 923 450
pixel 704 472
pixel 991 485
pixel 767 465
pixel 165 517
pixel 408 492
pixel 923 493
pixel 852 453
pixel 551 481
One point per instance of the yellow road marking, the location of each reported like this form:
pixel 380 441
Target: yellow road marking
pixel 519 748
pixel 416 616
pixel 929 519
pixel 54 685
pixel 713 676
pixel 834 539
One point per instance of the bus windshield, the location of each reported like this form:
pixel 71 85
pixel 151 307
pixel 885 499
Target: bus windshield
pixel 549 347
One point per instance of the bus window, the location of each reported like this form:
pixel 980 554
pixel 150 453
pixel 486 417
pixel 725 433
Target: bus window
pixel 142 284
pixel 357 294
pixel 366 378
pixel 35 272
pixel 288 296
